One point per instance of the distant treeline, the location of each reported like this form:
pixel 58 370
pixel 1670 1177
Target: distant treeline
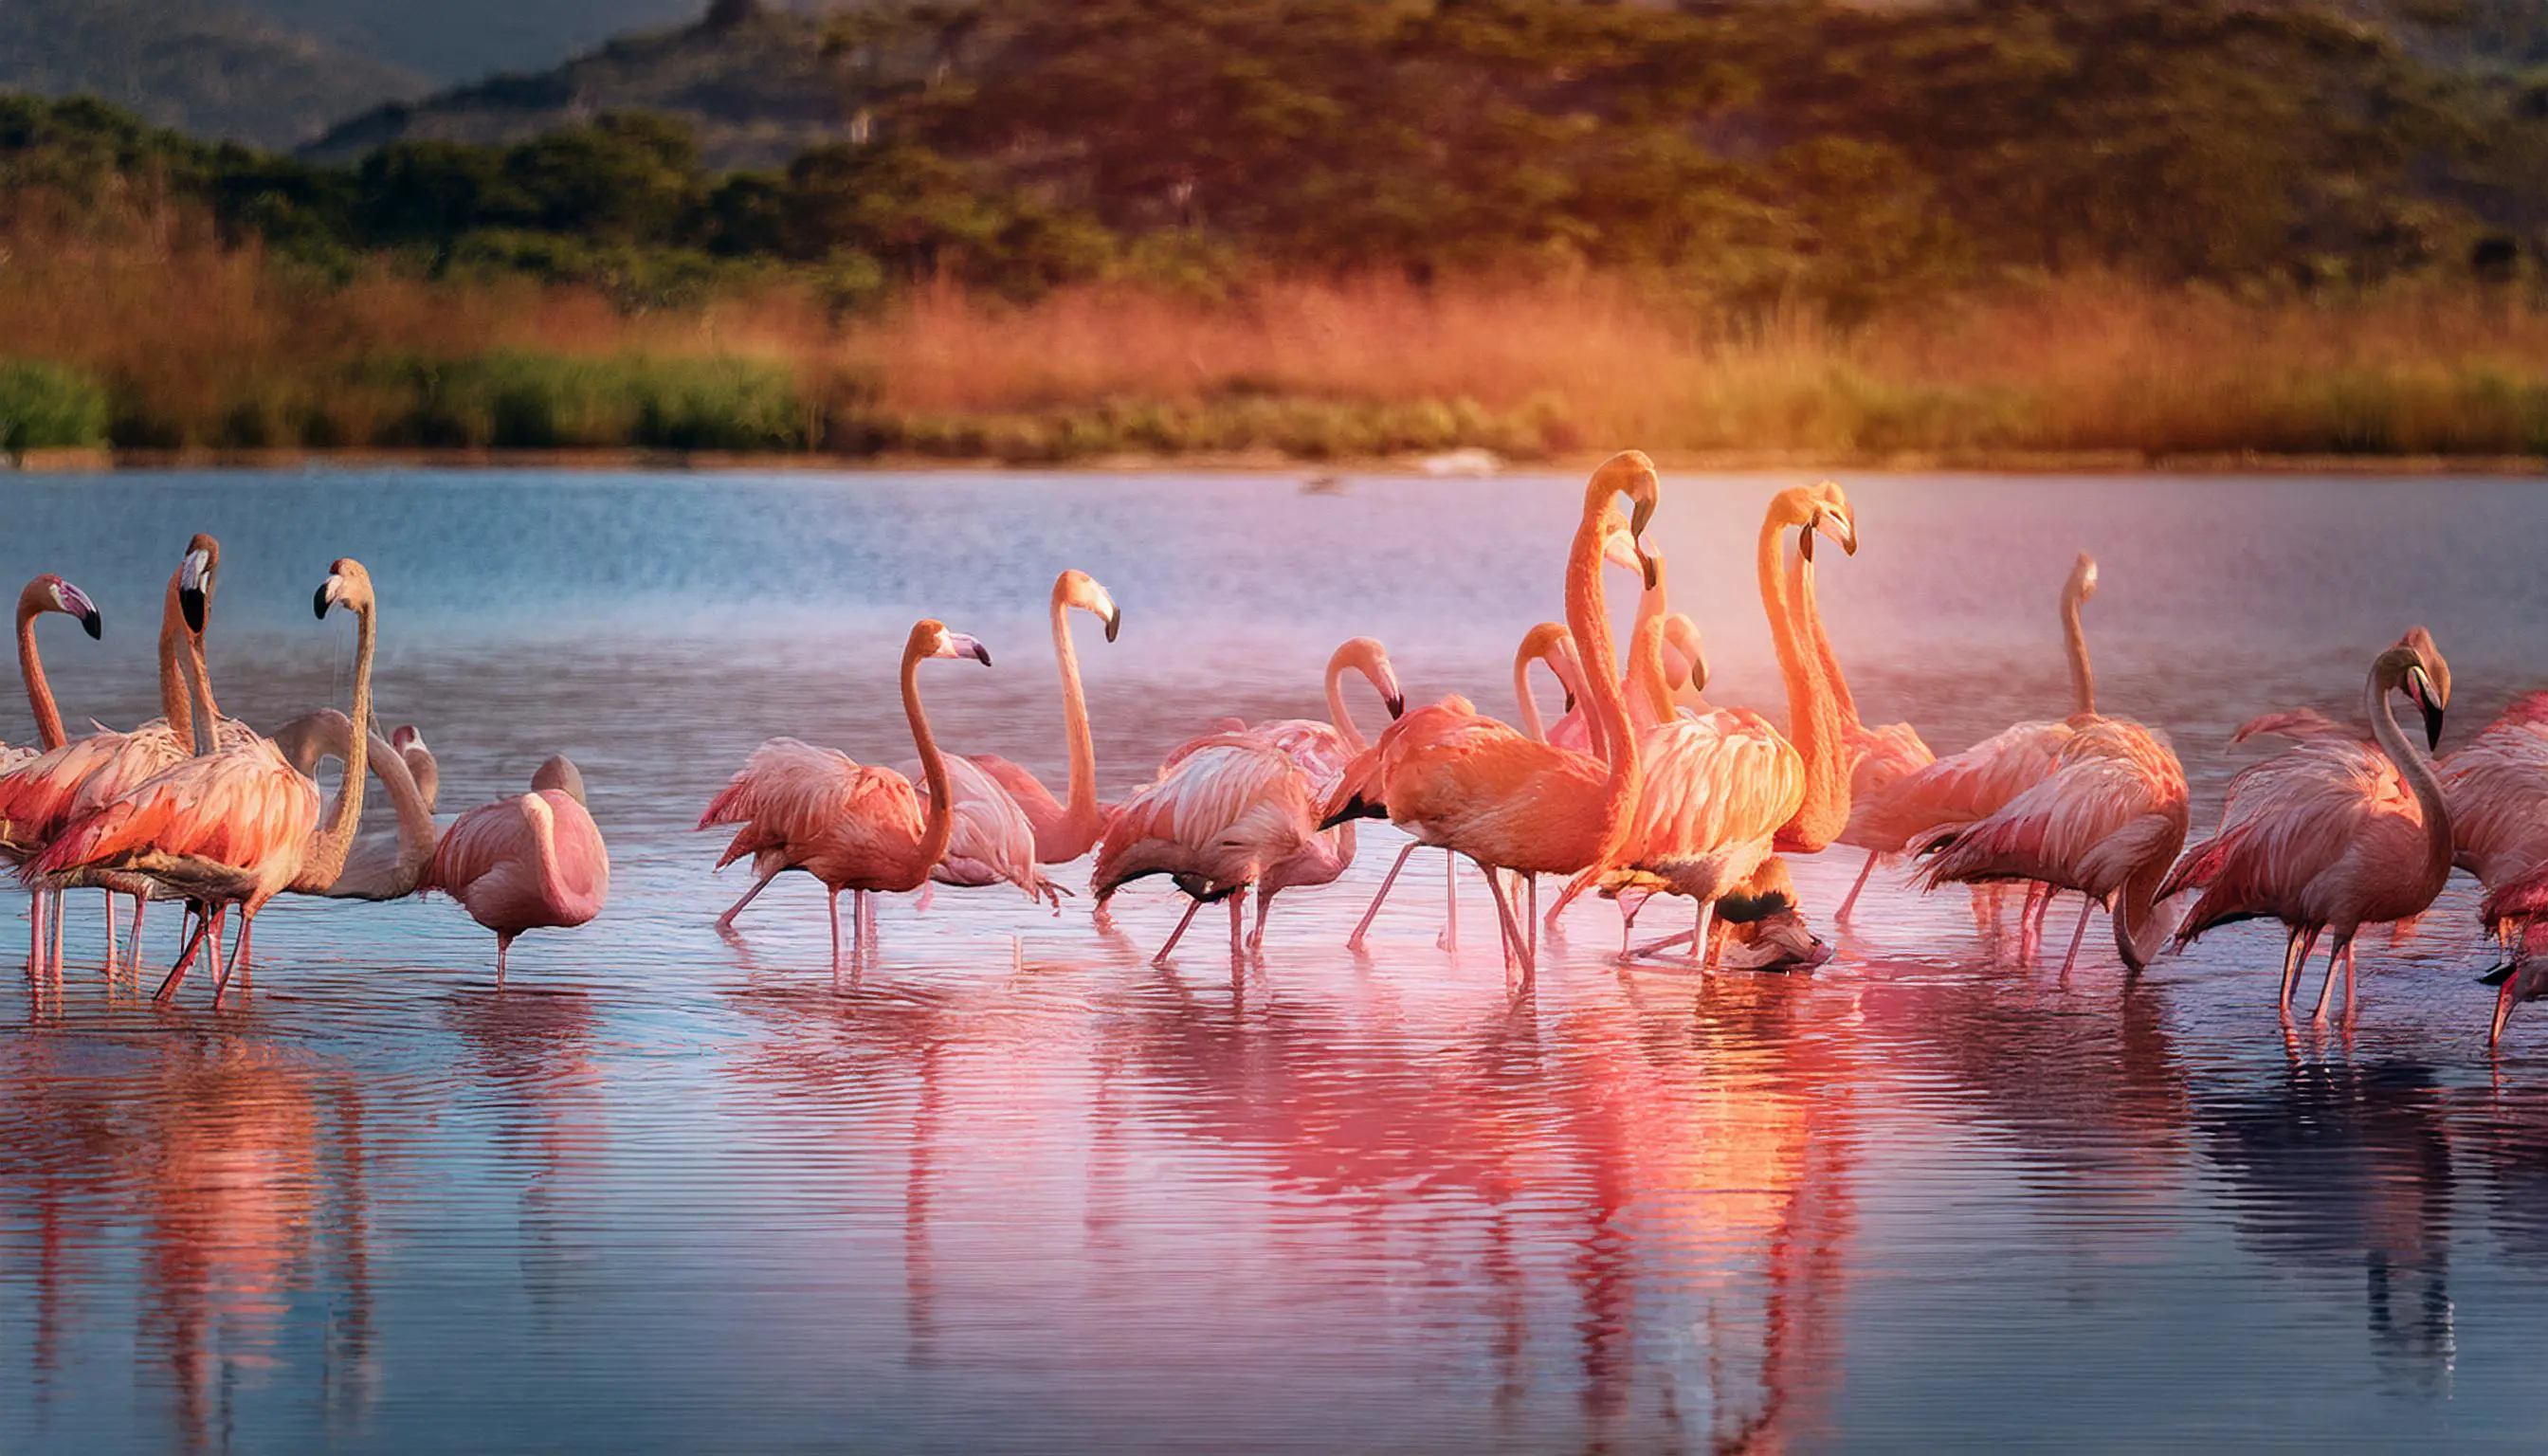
pixel 1847 156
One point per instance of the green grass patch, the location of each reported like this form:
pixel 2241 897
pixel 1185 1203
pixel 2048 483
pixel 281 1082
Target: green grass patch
pixel 49 405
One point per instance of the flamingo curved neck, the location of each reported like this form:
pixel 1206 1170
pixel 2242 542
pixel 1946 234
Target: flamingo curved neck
pixel 1079 809
pixel 1809 612
pixel 40 693
pixel 1649 690
pixel 173 703
pixel 1337 712
pixel 2074 640
pixel 2416 769
pixel 1813 725
pixel 335 838
pixel 937 831
pixel 1532 724
pixel 1588 617
pixel 207 731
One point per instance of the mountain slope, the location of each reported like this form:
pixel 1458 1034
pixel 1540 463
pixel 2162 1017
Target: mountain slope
pixel 463 39
pixel 206 67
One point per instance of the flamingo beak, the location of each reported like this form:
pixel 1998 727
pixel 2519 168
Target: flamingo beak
pixel 1114 623
pixel 1805 544
pixel 1570 702
pixel 325 596
pixel 1396 705
pixel 2502 1010
pixel 194 582
pixel 2432 721
pixel 76 603
pixel 1647 563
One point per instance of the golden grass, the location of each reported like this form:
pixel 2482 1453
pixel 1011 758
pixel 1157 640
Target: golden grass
pixel 203 344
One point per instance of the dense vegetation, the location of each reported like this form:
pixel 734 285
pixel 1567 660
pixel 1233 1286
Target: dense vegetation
pixel 1727 165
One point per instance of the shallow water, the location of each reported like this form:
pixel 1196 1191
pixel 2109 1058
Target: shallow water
pixel 1016 1189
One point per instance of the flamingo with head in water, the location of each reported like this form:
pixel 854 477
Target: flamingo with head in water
pixel 532 862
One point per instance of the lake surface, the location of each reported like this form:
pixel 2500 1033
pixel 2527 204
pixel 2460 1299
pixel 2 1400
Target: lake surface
pixel 1016 1189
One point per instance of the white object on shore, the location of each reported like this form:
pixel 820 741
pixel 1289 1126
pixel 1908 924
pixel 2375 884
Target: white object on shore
pixel 1471 461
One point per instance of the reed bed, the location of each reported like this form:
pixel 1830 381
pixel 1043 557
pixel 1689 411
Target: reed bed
pixel 168 340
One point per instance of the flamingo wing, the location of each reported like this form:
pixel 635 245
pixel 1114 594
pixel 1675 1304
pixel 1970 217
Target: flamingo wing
pixel 1220 814
pixel 1961 787
pixel 2115 803
pixel 796 800
pixel 2496 788
pixel 994 839
pixel 2289 822
pixel 534 859
pixel 234 822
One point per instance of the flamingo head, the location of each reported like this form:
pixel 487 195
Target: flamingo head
pixel 2524 978
pixel 560 774
pixel 195 579
pixel 1819 509
pixel 2403 669
pixel 2438 669
pixel 1553 644
pixel 1621 548
pixel 50 592
pixel 1631 473
pixel 1681 637
pixel 931 638
pixel 347 585
pixel 1366 656
pixel 1080 589
pixel 2083 578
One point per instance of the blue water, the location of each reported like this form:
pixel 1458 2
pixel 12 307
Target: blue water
pixel 1017 1189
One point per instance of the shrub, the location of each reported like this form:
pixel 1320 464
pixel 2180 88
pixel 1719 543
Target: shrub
pixel 45 406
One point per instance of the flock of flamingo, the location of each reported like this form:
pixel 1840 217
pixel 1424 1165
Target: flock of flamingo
pixel 1640 789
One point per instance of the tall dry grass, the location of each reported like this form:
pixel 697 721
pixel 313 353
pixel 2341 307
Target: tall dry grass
pixel 203 344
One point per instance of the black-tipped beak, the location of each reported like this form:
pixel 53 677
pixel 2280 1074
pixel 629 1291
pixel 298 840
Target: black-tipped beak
pixel 318 603
pixel 1805 544
pixel 1570 702
pixel 2499 975
pixel 1637 519
pixel 1113 623
pixel 1397 705
pixel 1356 807
pixel 2432 725
pixel 191 602
pixel 981 654
pixel 93 624
pixel 1647 563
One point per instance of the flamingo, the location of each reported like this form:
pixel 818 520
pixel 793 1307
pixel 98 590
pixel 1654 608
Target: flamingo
pixel 2108 822
pixel 1879 757
pixel 1064 831
pixel 379 866
pixel 2332 835
pixel 526 862
pixel 1241 808
pixel 20 834
pixel 1506 802
pixel 2496 788
pixel 994 842
pixel 239 825
pixel 1962 787
pixel 1363 787
pixel 856 827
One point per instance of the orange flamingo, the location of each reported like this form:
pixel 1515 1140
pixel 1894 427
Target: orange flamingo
pixel 21 833
pixel 1064 831
pixel 1239 808
pixel 238 826
pixel 2333 833
pixel 2108 822
pixel 856 827
pixel 2496 788
pixel 531 862
pixel 1879 757
pixel 1962 787
pixel 1506 802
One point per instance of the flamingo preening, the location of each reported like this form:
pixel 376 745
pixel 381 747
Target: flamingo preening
pixel 531 862
pixel 2335 834
pixel 856 827
pixel 379 866
pixel 1239 808
pixel 236 826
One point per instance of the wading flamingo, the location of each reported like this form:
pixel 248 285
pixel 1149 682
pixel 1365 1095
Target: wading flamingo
pixel 240 825
pixel 1064 831
pixel 382 864
pixel 2332 835
pixel 1506 802
pixel 1966 787
pixel 993 842
pixel 531 862
pixel 1240 808
pixel 2497 789
pixel 856 827
pixel 23 831
pixel 1879 757
pixel 2106 822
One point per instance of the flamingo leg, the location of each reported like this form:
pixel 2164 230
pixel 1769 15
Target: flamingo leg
pixel 835 904
pixel 1849 901
pixel 867 938
pixel 185 958
pixel 1354 942
pixel 2348 981
pixel 726 921
pixel 1698 947
pixel 53 922
pixel 1532 881
pixel 1178 934
pixel 111 947
pixel 35 935
pixel 1656 948
pixel 1503 912
pixel 133 960
pixel 2087 904
pixel 2335 953
pixel 247 932
pixel 1450 901
pixel 1264 902
pixel 504 943
pixel 238 948
pixel 1237 916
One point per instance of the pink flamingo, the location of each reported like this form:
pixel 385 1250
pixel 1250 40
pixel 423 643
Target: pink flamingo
pixel 20 830
pixel 856 827
pixel 1064 831
pixel 1239 808
pixel 1506 802
pixel 2106 822
pixel 379 866
pixel 531 862
pixel 238 825
pixel 1880 757
pixel 994 842
pixel 2496 788
pixel 1963 788
pixel 2332 835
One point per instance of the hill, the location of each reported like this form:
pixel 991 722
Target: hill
pixel 462 39
pixel 206 68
